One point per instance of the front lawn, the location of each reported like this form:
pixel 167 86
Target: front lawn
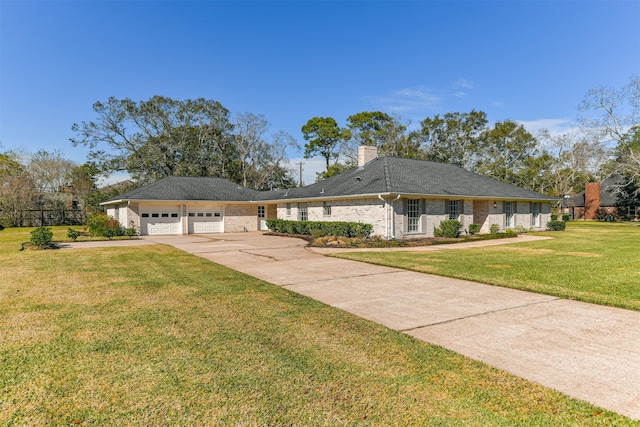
pixel 590 261
pixel 152 336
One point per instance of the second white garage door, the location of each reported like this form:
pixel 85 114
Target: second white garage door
pixel 205 220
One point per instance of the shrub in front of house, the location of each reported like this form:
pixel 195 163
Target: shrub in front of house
pixel 474 228
pixel 494 229
pixel 566 217
pixel 130 231
pixel 448 228
pixel 320 228
pixel 556 225
pixel 105 226
pixel 42 238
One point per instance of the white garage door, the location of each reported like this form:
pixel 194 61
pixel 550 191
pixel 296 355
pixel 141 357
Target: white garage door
pixel 205 219
pixel 160 220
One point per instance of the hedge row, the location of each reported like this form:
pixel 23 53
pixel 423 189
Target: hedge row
pixel 320 229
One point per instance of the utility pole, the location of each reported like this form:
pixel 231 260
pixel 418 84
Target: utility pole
pixel 300 181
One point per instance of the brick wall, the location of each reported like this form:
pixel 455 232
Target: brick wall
pixel 237 218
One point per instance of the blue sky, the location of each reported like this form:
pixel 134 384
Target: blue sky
pixel 520 60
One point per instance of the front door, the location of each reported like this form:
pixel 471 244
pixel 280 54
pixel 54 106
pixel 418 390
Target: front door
pixel 262 218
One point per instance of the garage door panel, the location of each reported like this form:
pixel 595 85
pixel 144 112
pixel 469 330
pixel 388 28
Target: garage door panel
pixel 160 220
pixel 205 219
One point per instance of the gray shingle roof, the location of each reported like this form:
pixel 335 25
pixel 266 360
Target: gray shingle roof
pixel 394 175
pixel 609 194
pixel 190 188
pixel 384 175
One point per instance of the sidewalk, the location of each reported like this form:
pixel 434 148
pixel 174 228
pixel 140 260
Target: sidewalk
pixel 587 351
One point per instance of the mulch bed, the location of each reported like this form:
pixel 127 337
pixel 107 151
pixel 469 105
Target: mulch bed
pixel 346 242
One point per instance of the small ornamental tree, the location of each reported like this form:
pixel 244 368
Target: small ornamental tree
pixel 42 238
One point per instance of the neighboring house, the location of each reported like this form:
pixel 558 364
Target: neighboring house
pixel 600 200
pixel 401 198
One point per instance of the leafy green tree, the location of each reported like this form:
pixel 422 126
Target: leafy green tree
pixel 453 138
pixel 505 151
pixel 324 138
pixel 377 129
pixel 335 169
pixel 160 137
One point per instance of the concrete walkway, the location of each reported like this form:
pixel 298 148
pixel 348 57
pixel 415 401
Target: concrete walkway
pixel 587 351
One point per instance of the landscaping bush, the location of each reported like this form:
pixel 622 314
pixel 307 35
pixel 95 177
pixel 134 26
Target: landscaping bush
pixel 556 226
pixel 131 231
pixel 448 228
pixel 42 237
pixel 494 229
pixel 474 228
pixel 73 234
pixel 566 217
pixel 102 225
pixel 554 217
pixel 510 233
pixel 320 228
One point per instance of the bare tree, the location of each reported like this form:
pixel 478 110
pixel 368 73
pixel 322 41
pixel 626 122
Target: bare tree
pixel 613 116
pixel 576 158
pixel 17 190
pixel 609 113
pixel 50 171
pixel 262 160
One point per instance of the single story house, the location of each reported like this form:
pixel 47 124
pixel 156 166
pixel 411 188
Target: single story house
pixel 401 198
pixel 601 200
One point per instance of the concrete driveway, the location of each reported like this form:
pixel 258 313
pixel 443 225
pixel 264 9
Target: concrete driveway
pixel 587 351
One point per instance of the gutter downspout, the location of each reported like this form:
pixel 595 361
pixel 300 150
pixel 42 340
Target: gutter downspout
pixel 393 218
pixel 127 223
pixel 386 216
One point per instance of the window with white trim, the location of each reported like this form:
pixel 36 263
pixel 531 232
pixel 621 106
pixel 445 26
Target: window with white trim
pixel 288 209
pixel 326 208
pixel 302 212
pixel 453 209
pixel 413 215
pixel 535 214
pixel 508 214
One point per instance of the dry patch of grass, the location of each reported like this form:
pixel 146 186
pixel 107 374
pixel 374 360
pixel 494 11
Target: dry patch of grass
pixel 153 336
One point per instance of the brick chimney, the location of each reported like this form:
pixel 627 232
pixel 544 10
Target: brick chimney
pixel 591 200
pixel 366 153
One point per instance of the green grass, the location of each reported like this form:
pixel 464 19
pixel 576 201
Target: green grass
pixel 591 261
pixel 153 336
